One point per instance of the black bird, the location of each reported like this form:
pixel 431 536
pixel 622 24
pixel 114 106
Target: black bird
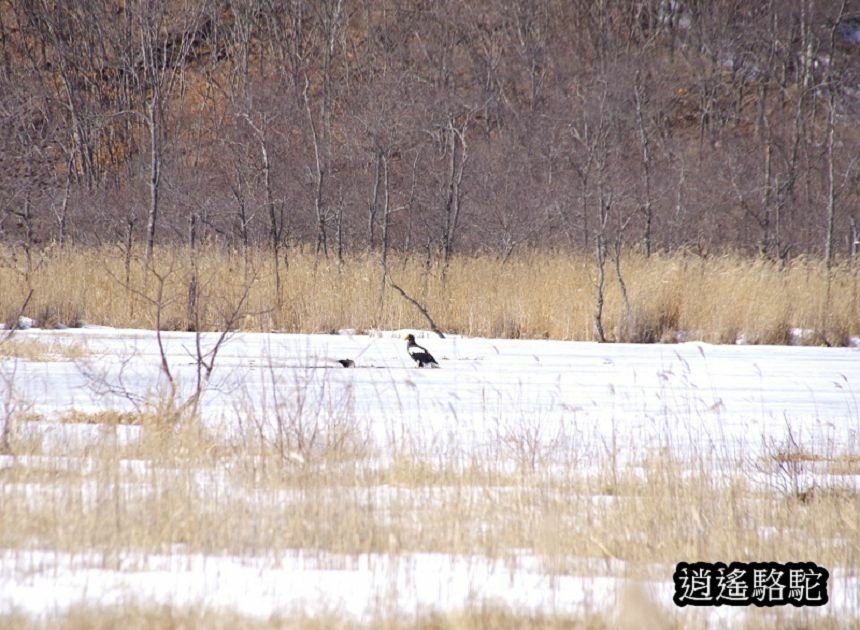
pixel 347 363
pixel 419 354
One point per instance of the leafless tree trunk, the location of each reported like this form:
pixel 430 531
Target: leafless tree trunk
pixel 604 208
pixel 832 193
pixel 600 267
pixel 383 256
pixel 154 179
pixel 274 209
pixel 339 232
pixel 243 219
pixel 276 222
pixel 62 216
pixel 645 143
pixel 374 201
pixel 128 254
pixel 319 174
pixel 457 155
pixel 193 310
pixel 831 185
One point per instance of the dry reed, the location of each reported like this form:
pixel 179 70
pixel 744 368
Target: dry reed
pixel 532 295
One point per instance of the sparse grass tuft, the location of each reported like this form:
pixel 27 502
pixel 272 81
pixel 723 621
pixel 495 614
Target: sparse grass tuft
pixel 20 347
pixel 106 417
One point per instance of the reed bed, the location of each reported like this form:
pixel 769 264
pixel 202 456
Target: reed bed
pixel 531 295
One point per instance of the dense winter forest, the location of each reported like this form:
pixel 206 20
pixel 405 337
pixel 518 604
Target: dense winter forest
pixel 442 126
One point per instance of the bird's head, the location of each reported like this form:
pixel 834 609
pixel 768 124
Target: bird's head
pixel 410 338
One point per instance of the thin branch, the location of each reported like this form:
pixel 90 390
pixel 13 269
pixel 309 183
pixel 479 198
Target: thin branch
pixel 416 304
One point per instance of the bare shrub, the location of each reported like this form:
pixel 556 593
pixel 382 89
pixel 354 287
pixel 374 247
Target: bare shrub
pixel 312 419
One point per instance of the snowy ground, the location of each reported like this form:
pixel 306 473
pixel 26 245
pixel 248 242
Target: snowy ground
pixel 740 397
pixel 691 399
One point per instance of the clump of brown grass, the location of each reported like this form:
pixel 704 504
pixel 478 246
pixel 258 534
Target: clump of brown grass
pixel 20 346
pixel 531 295
pixel 106 418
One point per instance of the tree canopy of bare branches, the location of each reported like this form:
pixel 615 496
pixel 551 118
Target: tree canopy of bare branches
pixel 456 126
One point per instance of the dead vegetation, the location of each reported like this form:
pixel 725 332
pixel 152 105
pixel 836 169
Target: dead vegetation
pixel 19 347
pixel 180 486
pixel 720 299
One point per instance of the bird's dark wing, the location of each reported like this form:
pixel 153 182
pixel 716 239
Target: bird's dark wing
pixel 422 357
pixel 415 349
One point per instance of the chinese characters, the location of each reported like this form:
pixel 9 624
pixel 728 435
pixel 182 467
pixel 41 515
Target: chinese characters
pixel 756 583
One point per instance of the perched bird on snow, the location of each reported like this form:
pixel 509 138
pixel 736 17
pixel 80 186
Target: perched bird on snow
pixel 419 354
pixel 347 363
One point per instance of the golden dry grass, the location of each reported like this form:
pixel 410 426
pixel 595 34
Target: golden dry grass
pixel 40 350
pixel 583 515
pixel 533 294
pixel 158 617
pixel 632 614
pixel 107 417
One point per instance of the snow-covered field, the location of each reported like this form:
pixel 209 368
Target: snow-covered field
pixel 739 397
pixel 546 406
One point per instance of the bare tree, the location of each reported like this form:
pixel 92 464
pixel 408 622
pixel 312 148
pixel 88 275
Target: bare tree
pixel 293 115
pixel 274 207
pixel 162 56
pixel 457 154
pixel 645 143
pixel 832 86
